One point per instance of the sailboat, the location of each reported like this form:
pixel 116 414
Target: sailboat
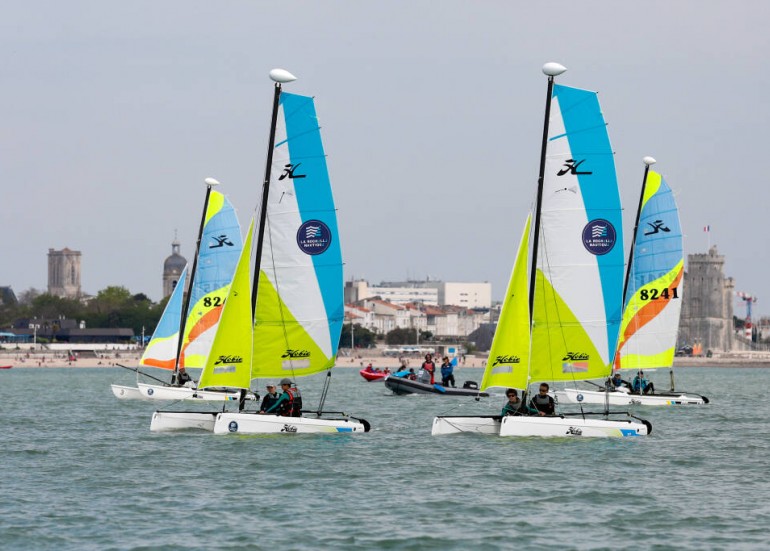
pixel 653 300
pixel 194 315
pixel 284 312
pixel 561 314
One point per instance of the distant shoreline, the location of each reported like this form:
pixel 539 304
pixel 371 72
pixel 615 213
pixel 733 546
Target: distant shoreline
pixel 356 362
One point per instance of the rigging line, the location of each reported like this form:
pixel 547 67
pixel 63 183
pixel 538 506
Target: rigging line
pixel 546 265
pixel 278 293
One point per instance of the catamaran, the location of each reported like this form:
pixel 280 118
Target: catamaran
pixel 284 312
pixel 561 314
pixel 653 294
pixel 194 315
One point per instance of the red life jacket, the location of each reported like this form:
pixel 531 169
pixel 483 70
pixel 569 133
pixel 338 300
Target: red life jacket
pixel 292 407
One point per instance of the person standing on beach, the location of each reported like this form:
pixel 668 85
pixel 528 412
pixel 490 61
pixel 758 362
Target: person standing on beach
pixel 430 367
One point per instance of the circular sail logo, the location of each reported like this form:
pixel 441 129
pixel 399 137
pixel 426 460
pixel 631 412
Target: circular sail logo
pixel 599 237
pixel 314 237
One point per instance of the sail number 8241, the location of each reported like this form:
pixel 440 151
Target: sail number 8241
pixel 655 294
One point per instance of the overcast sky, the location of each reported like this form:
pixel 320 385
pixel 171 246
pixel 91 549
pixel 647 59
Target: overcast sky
pixel 113 113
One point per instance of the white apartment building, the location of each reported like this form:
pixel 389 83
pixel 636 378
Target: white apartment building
pixel 430 293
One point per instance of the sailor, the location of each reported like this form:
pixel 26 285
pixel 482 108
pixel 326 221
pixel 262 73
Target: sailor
pixel 642 385
pixel 182 378
pixel 617 381
pixel 270 398
pixel 513 405
pixel 542 403
pixel 289 403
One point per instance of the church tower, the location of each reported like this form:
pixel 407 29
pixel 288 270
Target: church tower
pixel 64 273
pixel 172 268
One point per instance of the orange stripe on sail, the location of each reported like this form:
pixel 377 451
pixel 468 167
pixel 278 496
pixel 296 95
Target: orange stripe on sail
pixel 646 313
pixel 206 322
pixel 163 364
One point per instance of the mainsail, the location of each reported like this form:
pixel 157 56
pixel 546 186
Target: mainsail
pixel 216 256
pixel 295 327
pixel 654 289
pixel 300 308
pixel 580 261
pixel 218 253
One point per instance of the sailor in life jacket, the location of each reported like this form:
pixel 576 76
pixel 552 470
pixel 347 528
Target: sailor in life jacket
pixel 542 403
pixel 289 403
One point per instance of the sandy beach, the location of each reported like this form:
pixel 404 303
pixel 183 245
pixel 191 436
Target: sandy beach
pixel 356 361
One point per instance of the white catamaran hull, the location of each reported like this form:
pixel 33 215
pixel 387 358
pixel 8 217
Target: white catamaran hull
pixel 538 426
pixel 165 421
pixel 479 424
pixel 570 426
pixel 127 392
pixel 253 423
pixel 619 398
pixel 160 392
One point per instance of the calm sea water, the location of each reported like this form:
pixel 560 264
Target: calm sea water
pixel 81 470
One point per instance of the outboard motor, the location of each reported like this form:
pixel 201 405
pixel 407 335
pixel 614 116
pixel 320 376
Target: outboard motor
pixel 473 385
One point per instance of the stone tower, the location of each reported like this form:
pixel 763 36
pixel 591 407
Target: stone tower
pixel 172 269
pixel 707 308
pixel 64 273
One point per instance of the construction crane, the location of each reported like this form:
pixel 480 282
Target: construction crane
pixel 749 300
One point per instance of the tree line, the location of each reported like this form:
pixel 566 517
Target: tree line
pixel 114 306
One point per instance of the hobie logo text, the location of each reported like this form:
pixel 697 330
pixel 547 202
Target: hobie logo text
pixel 510 359
pixel 575 356
pixel 228 360
pixel 296 354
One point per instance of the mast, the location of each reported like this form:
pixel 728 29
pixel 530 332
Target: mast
pixel 648 162
pixel 551 70
pixel 210 183
pixel 279 76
